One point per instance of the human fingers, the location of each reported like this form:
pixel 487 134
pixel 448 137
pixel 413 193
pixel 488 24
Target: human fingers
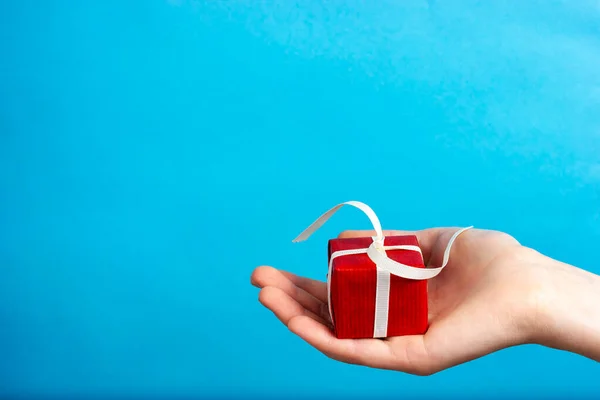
pixel 285 307
pixel 266 276
pixel 316 288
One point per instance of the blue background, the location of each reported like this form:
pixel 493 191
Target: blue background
pixel 152 153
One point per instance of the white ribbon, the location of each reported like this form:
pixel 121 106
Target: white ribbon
pixel 385 266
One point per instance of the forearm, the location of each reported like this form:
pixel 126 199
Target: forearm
pixel 569 309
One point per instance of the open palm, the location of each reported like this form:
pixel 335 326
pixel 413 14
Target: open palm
pixel 478 304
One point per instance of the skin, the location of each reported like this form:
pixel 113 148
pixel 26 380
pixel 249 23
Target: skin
pixel 493 294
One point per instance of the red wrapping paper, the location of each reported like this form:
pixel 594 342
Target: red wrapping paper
pixel 354 285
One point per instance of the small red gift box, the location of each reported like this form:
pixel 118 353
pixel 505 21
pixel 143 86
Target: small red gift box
pixel 376 286
pixel 353 290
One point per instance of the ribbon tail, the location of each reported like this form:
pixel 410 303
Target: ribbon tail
pixel 449 245
pixel 406 271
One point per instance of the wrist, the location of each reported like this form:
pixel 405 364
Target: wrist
pixel 564 310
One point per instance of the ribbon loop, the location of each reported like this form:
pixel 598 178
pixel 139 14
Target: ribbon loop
pixel 323 218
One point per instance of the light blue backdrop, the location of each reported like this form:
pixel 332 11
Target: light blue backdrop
pixel 152 153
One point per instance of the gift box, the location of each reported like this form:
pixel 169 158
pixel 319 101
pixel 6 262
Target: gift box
pixel 377 286
pixel 353 290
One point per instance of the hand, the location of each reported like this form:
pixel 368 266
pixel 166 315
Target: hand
pixel 493 294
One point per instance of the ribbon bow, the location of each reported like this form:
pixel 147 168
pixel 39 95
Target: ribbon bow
pixel 385 266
